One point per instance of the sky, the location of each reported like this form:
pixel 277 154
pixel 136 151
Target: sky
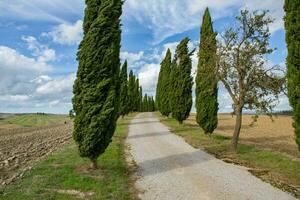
pixel 39 40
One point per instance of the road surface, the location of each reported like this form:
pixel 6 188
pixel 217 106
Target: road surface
pixel 171 169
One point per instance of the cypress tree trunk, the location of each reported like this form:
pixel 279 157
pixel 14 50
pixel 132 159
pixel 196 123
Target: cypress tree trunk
pixel 292 23
pixel 206 80
pixel 96 89
pixel 94 164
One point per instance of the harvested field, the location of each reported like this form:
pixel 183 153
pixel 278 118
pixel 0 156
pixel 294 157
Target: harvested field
pixel 21 146
pixel 277 135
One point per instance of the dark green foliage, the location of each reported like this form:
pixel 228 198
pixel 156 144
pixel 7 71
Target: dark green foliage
pixel 163 86
pixel 182 82
pixel 131 92
pixel 96 89
pixel 292 26
pixel 141 99
pixel 124 91
pixel 145 103
pixel 206 80
pixel 136 95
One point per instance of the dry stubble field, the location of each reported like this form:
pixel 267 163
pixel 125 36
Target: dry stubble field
pixel 24 139
pixel 277 135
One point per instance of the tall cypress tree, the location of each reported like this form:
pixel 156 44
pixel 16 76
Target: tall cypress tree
pixel 173 82
pixel 165 85
pixel 136 95
pixel 159 88
pixel 124 90
pixel 292 26
pixel 145 103
pixel 96 89
pixel 206 80
pixel 131 92
pixel 141 99
pixel 183 82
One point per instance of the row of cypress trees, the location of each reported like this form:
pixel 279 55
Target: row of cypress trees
pixel 131 94
pixel 174 87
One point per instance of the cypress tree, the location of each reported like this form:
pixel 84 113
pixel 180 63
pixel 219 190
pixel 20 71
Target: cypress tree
pixel 292 26
pixel 182 87
pixel 206 80
pixel 158 88
pixel 141 99
pixel 136 95
pixel 96 89
pixel 173 78
pixel 165 85
pixel 131 92
pixel 145 103
pixel 124 90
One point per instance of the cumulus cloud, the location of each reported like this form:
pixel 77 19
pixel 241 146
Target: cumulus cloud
pixel 133 59
pixel 58 85
pixel 26 86
pixel 66 34
pixel 148 76
pixel 42 52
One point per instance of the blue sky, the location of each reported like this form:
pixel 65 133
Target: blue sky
pixel 39 39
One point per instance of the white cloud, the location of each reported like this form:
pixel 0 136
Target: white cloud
pixel 166 19
pixel 58 85
pixel 26 86
pixel 37 10
pixel 42 52
pixel 133 59
pixel 148 76
pixel 14 98
pixel 66 34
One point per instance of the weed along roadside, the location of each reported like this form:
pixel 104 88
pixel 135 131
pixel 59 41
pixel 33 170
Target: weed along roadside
pixel 65 175
pixel 273 167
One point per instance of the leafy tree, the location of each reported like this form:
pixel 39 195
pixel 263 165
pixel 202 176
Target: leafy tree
pixel 182 82
pixel 206 80
pixel 131 92
pixel 124 91
pixel 292 26
pixel 242 67
pixel 164 87
pixel 96 89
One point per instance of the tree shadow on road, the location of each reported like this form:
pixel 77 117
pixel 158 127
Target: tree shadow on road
pixel 172 162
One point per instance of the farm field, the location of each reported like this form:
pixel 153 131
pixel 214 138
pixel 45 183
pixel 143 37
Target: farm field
pixel 65 175
pixel 25 139
pixel 277 135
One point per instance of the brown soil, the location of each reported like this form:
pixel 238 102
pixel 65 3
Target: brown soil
pixel 20 147
pixel 277 135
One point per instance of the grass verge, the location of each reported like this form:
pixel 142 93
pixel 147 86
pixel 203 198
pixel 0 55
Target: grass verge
pixel 275 168
pixel 64 175
pixel 35 120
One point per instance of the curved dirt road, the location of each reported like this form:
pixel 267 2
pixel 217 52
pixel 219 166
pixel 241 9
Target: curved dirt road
pixel 171 169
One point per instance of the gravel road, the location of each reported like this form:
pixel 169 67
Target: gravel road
pixel 171 169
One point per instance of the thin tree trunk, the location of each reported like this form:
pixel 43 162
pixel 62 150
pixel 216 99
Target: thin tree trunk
pixel 94 164
pixel 237 129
